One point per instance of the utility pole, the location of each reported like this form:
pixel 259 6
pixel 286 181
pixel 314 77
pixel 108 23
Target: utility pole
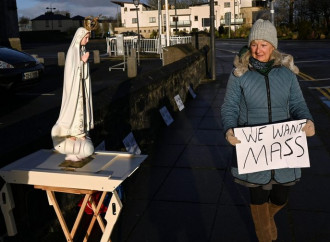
pixel 137 3
pixel 212 40
pixel 176 19
pixel 272 11
pixel 160 18
pixel 167 24
pixel 159 24
pixel 51 10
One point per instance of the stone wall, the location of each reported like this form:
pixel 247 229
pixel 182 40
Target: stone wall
pixel 136 102
pixel 177 52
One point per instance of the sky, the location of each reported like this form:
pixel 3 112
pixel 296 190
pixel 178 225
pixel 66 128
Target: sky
pixel 35 8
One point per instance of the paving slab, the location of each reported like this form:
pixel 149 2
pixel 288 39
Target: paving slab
pixel 198 199
pixel 233 223
pixel 192 185
pixel 202 156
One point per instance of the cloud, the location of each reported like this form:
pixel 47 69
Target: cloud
pixel 80 3
pixel 74 7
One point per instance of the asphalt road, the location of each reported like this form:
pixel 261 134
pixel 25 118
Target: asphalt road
pixel 312 58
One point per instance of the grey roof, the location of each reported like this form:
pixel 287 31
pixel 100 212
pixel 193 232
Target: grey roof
pixel 51 16
pixel 78 17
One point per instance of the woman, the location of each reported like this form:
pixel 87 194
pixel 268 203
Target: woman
pixel 263 89
pixel 70 133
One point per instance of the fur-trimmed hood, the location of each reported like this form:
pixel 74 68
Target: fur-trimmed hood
pixel 242 65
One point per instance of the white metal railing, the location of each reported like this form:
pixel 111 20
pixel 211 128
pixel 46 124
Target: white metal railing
pixel 232 21
pixel 146 45
pixel 180 40
pixel 181 23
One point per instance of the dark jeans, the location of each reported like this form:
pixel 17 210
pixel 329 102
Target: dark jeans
pixel 278 195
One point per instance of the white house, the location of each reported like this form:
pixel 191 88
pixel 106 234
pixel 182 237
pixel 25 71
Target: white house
pixel 53 21
pixel 250 9
pixel 196 17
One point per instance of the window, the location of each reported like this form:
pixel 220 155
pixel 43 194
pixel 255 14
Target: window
pixel 125 9
pixel 259 3
pixel 196 18
pixel 227 4
pixel 47 23
pixel 152 19
pixel 134 20
pixel 206 22
pixel 175 19
pixel 216 3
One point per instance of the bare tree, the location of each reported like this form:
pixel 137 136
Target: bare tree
pixel 23 20
pixel 153 4
pixel 322 12
pixel 291 6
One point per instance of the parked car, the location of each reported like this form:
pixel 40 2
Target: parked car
pixel 131 35
pixel 18 69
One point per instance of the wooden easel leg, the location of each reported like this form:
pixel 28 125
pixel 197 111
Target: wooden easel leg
pixel 51 196
pixel 99 219
pixel 111 216
pixel 80 214
pixel 96 214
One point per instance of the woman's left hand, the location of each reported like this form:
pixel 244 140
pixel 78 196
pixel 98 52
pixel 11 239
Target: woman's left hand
pixel 309 128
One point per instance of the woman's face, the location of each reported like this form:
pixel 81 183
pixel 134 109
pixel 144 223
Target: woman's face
pixel 85 40
pixel 261 50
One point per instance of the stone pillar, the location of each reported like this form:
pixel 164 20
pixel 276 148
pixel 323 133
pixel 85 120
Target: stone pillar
pixel 15 43
pixel 131 67
pixel 96 54
pixel 60 58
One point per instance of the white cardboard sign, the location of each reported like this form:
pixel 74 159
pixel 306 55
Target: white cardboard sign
pixel 166 115
pixel 131 145
pixel 179 102
pixel 274 146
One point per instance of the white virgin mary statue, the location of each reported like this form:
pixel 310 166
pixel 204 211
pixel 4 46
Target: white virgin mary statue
pixel 70 133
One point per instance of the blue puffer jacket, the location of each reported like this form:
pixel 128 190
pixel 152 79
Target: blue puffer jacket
pixel 254 99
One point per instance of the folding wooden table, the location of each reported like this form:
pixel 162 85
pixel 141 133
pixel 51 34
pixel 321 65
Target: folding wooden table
pixel 42 169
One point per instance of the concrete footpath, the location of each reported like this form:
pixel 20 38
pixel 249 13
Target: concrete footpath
pixel 186 192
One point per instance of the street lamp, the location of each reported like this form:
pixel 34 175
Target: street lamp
pixel 136 3
pixel 51 10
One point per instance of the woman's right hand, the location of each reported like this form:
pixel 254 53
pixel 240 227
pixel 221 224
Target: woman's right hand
pixel 230 137
pixel 85 57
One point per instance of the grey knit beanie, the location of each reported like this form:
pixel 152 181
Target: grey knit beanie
pixel 263 30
